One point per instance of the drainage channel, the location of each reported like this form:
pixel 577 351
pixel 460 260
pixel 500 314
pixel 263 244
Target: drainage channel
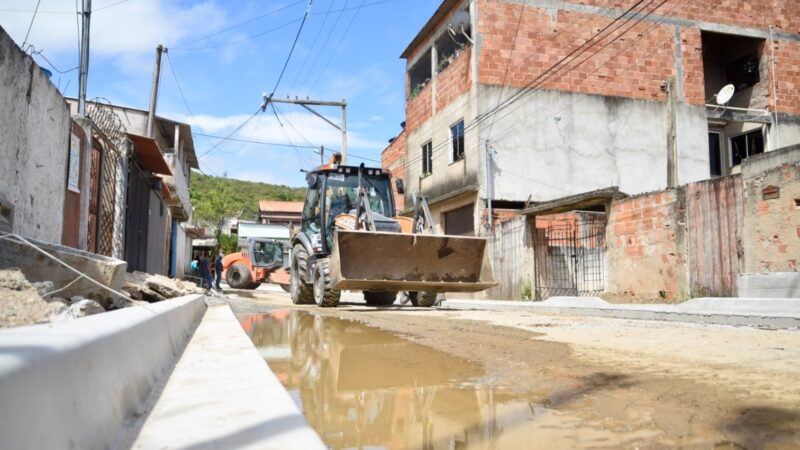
pixel 360 386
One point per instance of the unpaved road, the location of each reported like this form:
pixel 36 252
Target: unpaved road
pixel 611 383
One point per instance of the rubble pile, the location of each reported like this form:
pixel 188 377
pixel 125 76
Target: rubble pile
pixel 24 303
pixel 155 288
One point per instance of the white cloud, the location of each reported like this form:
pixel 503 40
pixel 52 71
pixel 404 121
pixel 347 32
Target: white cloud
pixel 376 118
pixel 124 30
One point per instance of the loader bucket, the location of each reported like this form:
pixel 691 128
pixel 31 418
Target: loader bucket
pixel 380 261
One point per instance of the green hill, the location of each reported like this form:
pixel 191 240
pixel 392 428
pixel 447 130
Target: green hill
pixel 217 197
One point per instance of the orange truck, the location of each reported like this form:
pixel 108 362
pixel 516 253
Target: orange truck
pixel 261 260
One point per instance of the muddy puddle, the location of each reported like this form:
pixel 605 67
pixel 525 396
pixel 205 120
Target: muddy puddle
pixel 361 387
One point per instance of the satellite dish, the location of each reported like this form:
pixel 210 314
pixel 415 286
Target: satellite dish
pixel 725 94
pixel 459 22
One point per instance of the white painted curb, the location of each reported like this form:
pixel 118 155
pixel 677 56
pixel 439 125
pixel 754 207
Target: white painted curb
pixel 222 394
pixel 74 384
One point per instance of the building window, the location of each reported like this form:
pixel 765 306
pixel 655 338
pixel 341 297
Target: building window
pixel 714 154
pixel 746 145
pixel 427 158
pixel 743 72
pixel 457 140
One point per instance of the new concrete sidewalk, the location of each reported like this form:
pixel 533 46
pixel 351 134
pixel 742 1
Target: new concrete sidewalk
pixel 222 394
pixel 760 312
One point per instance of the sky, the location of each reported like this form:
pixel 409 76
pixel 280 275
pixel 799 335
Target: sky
pixel 225 54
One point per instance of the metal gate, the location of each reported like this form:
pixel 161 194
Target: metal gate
pixel 108 132
pixel 570 256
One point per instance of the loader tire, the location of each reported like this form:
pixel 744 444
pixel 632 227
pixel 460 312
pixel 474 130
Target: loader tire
pixel 238 276
pixel 324 296
pixel 255 285
pixel 379 298
pixel 301 292
pixel 424 299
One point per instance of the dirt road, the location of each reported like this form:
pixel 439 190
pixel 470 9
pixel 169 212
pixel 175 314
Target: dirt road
pixel 607 382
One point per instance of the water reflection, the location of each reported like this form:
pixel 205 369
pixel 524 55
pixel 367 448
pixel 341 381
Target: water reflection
pixel 362 387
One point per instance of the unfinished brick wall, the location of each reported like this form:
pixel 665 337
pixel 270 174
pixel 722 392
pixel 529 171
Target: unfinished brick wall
pixel 771 239
pixel 646 253
pixel 635 65
pixel 419 108
pixel 393 159
pixel 454 80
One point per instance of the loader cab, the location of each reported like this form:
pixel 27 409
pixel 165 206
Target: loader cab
pixel 266 253
pixel 334 191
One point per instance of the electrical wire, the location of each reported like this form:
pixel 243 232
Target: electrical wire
pixel 229 135
pixel 237 25
pixel 508 65
pixel 239 41
pixel 25 41
pixel 251 141
pixel 291 51
pixel 313 43
pixel 346 31
pixel 638 15
pixel 324 46
pixel 294 146
pixel 183 97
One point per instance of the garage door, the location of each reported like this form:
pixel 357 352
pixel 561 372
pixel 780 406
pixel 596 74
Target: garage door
pixel 460 221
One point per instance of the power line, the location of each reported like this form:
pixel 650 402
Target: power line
pixel 109 6
pixel 231 133
pixel 324 45
pixel 180 90
pixel 25 41
pixel 291 51
pixel 313 43
pixel 239 41
pixel 346 31
pixel 508 65
pixel 296 151
pixel 237 25
pixel 641 17
pixel 250 141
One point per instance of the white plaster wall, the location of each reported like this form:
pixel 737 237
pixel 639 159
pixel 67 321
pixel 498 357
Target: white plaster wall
pixel 158 229
pixel 447 177
pixel 34 144
pixel 552 144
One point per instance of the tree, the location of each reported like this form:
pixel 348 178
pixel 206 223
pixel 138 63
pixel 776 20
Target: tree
pixel 214 204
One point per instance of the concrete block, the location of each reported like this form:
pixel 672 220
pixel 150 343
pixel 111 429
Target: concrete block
pixel 38 267
pixel 222 394
pixel 74 384
pixel 769 285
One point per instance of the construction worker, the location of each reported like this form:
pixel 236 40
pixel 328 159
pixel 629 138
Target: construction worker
pixel 218 267
pixel 205 272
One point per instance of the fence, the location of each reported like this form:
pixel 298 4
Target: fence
pixel 509 251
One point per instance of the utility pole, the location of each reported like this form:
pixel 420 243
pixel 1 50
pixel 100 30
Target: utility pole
pixel 151 115
pixel 321 155
pixel 672 141
pixel 344 131
pixel 307 105
pixel 84 66
pixel 489 190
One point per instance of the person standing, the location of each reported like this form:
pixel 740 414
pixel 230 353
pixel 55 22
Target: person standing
pixel 205 272
pixel 218 267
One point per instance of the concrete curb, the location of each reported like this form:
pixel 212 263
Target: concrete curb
pixel 74 384
pixel 222 394
pixel 758 312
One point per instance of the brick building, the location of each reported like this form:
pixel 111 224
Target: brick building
pixel 586 95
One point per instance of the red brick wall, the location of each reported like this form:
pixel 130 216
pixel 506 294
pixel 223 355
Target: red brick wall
pixel 419 108
pixel 639 61
pixel 393 159
pixel 454 80
pixel 645 256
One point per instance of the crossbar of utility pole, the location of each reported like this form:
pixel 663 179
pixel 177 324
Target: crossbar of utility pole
pixel 307 103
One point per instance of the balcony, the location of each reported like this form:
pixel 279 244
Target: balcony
pixel 180 202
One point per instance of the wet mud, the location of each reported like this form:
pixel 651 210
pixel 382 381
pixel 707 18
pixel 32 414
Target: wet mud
pixel 382 380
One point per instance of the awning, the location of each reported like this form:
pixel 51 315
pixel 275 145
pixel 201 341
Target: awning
pixel 149 155
pixel 585 200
